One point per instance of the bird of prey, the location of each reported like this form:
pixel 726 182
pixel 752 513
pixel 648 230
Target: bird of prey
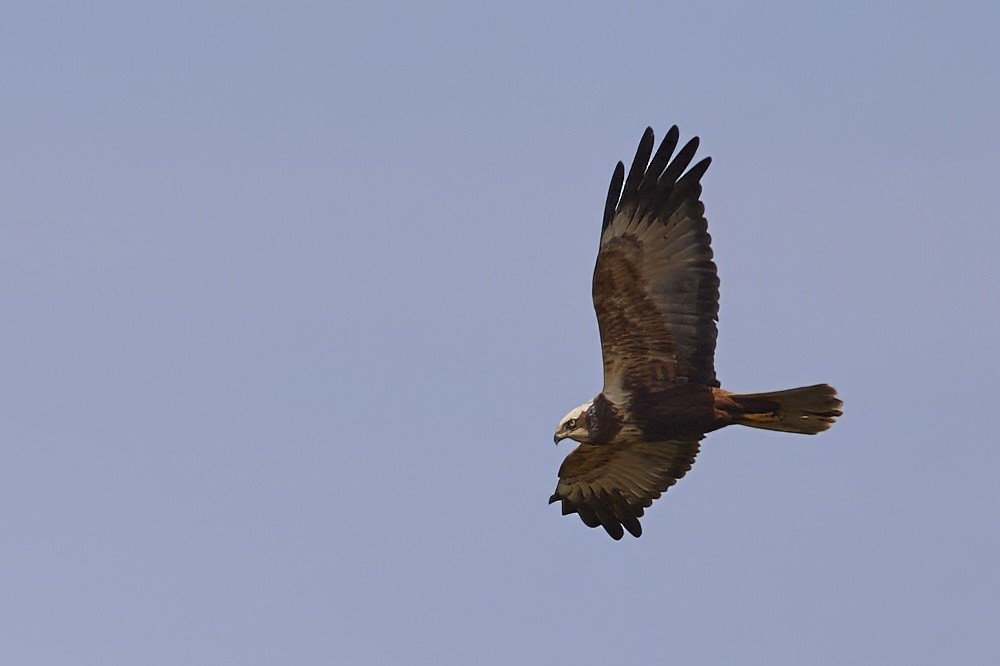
pixel 656 293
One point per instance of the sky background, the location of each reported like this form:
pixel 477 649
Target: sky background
pixel 294 295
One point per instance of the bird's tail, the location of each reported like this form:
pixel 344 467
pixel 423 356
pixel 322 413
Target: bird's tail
pixel 806 410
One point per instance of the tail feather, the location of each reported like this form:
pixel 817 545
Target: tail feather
pixel 806 410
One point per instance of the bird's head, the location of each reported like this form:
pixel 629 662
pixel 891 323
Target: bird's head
pixel 574 425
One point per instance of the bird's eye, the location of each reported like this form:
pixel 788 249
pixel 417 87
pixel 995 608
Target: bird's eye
pixel 571 423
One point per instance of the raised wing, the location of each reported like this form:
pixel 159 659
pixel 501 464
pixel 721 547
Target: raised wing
pixel 656 290
pixel 612 484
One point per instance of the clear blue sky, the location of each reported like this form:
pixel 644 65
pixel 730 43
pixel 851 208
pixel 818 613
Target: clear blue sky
pixel 295 294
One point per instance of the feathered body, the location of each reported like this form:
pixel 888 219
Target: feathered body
pixel 656 294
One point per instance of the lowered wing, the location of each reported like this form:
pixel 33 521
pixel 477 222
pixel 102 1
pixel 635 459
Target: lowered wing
pixel 612 484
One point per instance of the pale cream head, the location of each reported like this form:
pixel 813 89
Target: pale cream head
pixel 574 425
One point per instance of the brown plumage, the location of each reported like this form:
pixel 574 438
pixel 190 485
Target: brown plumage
pixel 656 294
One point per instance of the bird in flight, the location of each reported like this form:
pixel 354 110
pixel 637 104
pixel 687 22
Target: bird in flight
pixel 656 293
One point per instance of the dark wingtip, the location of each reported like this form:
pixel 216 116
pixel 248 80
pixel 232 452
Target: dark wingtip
pixel 680 162
pixel 614 530
pixel 634 527
pixel 695 173
pixel 660 159
pixel 614 193
pixel 639 164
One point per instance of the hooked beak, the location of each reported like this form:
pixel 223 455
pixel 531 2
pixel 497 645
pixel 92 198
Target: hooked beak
pixel 556 438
